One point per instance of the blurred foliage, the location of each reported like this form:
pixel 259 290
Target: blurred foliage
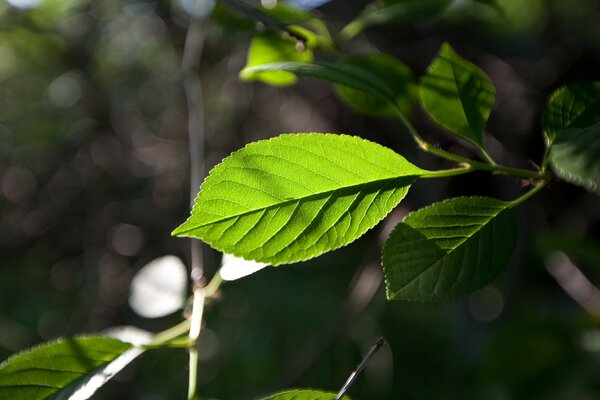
pixel 94 172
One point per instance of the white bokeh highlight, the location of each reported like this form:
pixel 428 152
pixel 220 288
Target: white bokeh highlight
pixel 159 288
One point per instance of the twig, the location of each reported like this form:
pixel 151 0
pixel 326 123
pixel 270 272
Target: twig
pixel 195 328
pixel 374 349
pixel 194 42
pixel 192 52
pixel 264 19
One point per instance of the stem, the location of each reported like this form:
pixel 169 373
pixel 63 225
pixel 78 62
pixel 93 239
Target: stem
pixel 530 193
pixel 443 173
pixel 476 165
pixel 374 349
pixel 194 43
pixel 213 285
pixel 171 333
pixel 487 157
pixel 195 328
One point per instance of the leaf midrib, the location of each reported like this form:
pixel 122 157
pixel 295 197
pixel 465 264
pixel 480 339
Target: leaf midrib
pixel 291 201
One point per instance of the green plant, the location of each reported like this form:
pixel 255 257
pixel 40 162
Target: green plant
pixel 297 196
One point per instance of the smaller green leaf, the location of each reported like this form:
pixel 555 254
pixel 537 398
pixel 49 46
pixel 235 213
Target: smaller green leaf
pixel 458 95
pixel 47 370
pixel 576 105
pixel 396 75
pixel 575 156
pixel 269 47
pixel 343 74
pixel 448 249
pixel 303 394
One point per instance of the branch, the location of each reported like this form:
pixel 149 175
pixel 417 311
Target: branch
pixel 194 42
pixel 263 18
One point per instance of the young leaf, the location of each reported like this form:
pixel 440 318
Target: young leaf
pixel 398 77
pixel 457 95
pixel 303 394
pixel 296 196
pixel 59 367
pixel 575 156
pixel 572 106
pixel 342 74
pixel 269 47
pixel 448 249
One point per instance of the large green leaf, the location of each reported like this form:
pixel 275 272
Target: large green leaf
pixel 296 196
pixel 575 156
pixel 269 47
pixel 343 74
pixel 576 105
pixel 397 76
pixel 448 249
pixel 51 369
pixel 458 95
pixel 303 394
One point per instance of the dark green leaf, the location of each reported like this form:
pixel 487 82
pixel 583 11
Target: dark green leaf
pixel 572 106
pixel 303 394
pixel 448 249
pixel 396 75
pixel 269 47
pixel 52 368
pixel 458 95
pixel 575 156
pixel 342 74
pixel 296 196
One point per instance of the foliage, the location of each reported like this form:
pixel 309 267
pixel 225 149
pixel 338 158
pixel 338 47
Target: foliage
pixel 297 196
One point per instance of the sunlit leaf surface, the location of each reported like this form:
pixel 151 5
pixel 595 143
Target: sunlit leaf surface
pixel 52 368
pixel 296 196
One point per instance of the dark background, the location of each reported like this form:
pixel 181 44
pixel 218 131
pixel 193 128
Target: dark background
pixel 94 176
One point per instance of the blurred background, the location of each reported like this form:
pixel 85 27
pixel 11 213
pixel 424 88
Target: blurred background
pixel 94 175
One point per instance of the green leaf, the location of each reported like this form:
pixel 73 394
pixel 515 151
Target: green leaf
pixel 296 196
pixel 576 105
pixel 343 74
pixel 397 76
pixel 269 47
pixel 575 156
pixel 448 249
pixel 458 95
pixel 49 370
pixel 303 394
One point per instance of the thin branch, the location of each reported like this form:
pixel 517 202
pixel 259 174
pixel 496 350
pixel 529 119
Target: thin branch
pixel 266 20
pixel 194 42
pixel 374 349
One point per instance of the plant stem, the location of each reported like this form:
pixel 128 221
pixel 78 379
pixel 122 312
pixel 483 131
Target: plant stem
pixel 194 43
pixel 443 173
pixel 530 193
pixel 475 165
pixel 194 334
pixel 172 333
pixel 486 156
